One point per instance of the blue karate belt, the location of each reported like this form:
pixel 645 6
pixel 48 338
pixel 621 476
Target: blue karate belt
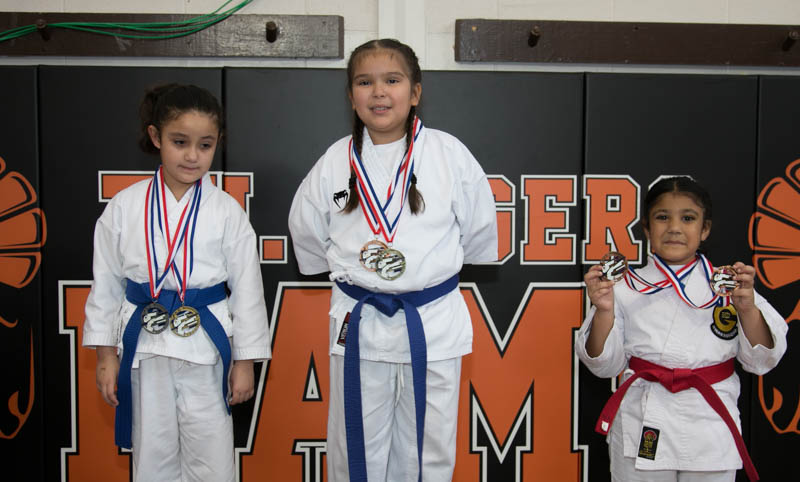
pixel 388 305
pixel 139 294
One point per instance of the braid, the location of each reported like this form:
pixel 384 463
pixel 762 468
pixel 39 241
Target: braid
pixel 415 201
pixel 358 142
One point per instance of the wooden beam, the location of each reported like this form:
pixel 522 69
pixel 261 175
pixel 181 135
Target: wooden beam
pixel 240 35
pixel 552 41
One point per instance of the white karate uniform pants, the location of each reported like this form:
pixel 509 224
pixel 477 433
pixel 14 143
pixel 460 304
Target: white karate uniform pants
pixel 181 429
pixel 390 435
pixel 623 468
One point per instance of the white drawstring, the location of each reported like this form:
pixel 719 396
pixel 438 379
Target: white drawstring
pixel 341 277
pixel 399 383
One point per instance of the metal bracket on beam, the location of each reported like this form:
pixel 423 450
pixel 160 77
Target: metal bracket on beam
pixel 240 35
pixel 553 41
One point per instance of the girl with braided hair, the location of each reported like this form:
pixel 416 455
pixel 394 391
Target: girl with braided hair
pixel 398 323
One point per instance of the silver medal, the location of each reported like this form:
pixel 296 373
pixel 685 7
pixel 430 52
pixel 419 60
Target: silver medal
pixel 154 318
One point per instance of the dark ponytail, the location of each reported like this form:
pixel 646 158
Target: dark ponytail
pixel 164 103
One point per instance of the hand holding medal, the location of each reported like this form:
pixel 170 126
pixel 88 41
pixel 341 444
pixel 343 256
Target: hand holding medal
pixel 614 266
pixel 723 280
pixel 600 280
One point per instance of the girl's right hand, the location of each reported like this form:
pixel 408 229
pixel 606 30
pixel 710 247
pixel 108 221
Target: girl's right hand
pixel 600 290
pixel 107 371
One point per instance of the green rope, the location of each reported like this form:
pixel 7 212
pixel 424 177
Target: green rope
pixel 143 30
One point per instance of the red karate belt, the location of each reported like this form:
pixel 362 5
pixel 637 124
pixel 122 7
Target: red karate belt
pixel 676 380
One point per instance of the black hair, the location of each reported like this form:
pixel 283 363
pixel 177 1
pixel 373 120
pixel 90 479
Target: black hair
pixel 415 201
pixel 164 103
pixel 679 185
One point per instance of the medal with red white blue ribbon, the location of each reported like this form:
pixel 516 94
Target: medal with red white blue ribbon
pixel 384 218
pixel 155 317
pixel 675 278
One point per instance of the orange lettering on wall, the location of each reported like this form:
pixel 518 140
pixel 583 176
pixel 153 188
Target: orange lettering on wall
pixel 547 199
pixel 503 191
pixel 536 352
pixel 96 452
pixel 238 185
pixel 536 355
pixel 612 208
pixel 288 427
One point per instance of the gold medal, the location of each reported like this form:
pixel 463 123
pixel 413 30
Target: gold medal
pixel 614 266
pixel 723 281
pixel 371 253
pixel 391 264
pixel 184 321
pixel 154 318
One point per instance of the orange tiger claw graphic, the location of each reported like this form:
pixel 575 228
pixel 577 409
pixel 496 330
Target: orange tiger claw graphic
pixel 774 231
pixel 774 235
pixel 22 229
pixel 13 400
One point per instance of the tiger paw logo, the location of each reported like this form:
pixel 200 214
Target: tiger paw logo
pixel 22 235
pixel 774 235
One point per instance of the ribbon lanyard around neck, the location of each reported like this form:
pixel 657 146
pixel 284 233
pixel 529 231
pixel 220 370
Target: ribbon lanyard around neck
pixel 383 219
pixel 674 278
pixel 156 215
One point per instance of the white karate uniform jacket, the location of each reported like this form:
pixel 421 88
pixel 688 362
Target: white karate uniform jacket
pixel 225 250
pixel 662 329
pixel 458 226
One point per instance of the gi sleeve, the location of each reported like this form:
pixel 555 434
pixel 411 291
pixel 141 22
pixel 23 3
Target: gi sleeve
pixel 246 302
pixel 612 360
pixel 309 220
pixel 102 324
pixel 760 359
pixel 475 211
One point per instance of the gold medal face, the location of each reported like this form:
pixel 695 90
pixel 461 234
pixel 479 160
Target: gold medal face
pixel 391 264
pixel 154 318
pixel 722 281
pixel 184 321
pixel 614 266
pixel 371 253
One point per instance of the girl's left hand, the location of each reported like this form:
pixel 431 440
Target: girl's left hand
pixel 242 381
pixel 743 296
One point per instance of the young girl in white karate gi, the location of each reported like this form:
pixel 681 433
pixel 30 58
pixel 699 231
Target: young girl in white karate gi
pixel 676 418
pixel 165 250
pixel 360 214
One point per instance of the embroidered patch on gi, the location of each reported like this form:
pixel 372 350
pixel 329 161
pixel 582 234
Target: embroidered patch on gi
pixel 343 330
pixel 649 443
pixel 726 322
pixel 340 196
